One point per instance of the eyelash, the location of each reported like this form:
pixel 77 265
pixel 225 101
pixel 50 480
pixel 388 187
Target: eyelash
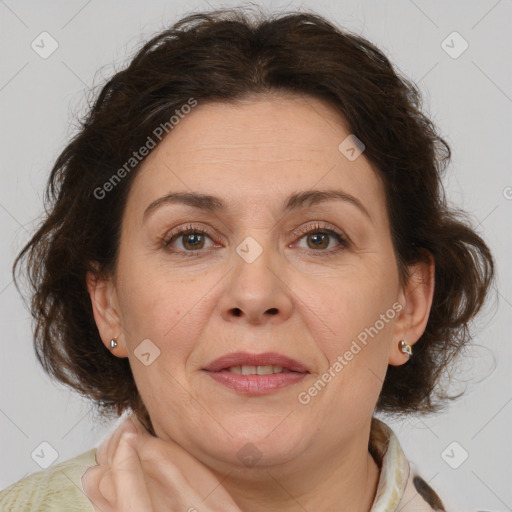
pixel 301 233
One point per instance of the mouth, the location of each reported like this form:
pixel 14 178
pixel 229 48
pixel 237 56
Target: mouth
pixel 256 374
pixel 257 370
pixel 267 363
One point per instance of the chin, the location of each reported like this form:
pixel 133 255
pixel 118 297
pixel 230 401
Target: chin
pixel 254 444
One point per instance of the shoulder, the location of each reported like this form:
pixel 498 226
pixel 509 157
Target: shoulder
pixel 58 488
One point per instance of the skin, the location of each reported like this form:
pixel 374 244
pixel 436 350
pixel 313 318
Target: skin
pixel 293 299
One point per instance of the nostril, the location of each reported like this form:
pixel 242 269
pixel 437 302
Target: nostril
pixel 237 311
pixel 272 311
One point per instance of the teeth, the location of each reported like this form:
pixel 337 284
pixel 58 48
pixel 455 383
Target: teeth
pixel 255 370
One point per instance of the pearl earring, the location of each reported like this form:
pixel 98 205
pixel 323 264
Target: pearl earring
pixel 113 343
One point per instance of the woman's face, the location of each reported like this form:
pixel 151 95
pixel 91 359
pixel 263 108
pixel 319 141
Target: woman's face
pixel 249 278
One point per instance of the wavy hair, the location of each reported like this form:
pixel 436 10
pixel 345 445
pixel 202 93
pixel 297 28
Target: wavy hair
pixel 226 55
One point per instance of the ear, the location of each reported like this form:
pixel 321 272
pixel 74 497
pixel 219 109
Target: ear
pixel 416 297
pixel 106 310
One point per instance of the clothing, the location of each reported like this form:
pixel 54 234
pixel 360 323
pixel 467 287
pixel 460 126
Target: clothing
pixel 59 488
pixel 399 488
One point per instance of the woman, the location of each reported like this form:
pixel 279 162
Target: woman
pixel 248 251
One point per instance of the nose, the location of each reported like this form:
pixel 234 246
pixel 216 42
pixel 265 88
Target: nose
pixel 255 291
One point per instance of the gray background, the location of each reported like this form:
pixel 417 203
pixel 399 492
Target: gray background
pixel 468 97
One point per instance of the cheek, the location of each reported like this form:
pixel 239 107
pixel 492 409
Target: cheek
pixel 349 303
pixel 361 316
pixel 167 312
pixel 166 309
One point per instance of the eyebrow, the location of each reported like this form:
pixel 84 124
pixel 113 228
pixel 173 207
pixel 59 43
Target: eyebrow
pixel 295 201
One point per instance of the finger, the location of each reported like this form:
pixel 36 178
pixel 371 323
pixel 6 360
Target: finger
pixel 118 481
pixel 128 477
pixel 136 424
pixel 170 462
pixel 102 450
pixel 131 425
pixel 106 450
pixel 178 480
pixel 91 480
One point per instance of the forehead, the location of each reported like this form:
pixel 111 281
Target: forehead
pixel 254 150
pixel 269 128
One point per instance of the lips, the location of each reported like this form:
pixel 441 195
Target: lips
pixel 247 359
pixel 274 372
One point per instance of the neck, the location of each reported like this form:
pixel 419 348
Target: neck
pixel 345 480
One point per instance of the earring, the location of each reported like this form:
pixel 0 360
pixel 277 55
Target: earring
pixel 113 343
pixel 405 348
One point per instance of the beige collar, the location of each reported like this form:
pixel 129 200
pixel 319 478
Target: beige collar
pixel 394 467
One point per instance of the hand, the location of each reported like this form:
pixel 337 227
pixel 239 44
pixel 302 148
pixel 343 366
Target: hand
pixel 141 473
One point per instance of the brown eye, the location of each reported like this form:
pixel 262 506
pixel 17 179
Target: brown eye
pixel 187 240
pixel 192 241
pixel 318 240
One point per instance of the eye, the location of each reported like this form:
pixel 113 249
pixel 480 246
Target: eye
pixel 191 239
pixel 318 239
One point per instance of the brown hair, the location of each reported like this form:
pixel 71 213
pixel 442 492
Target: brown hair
pixel 226 55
